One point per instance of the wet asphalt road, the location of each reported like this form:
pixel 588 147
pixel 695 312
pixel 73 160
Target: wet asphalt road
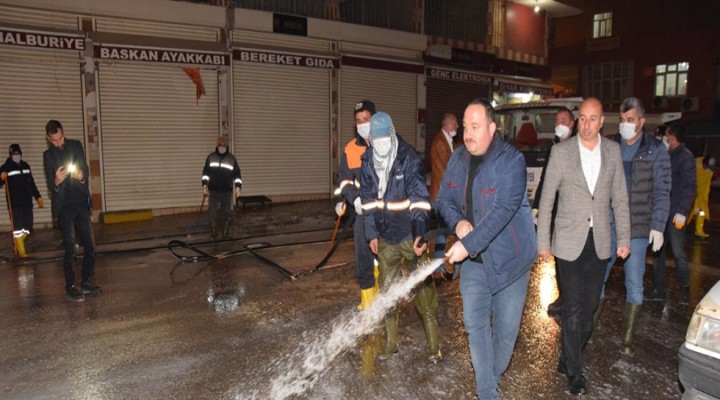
pixel 222 329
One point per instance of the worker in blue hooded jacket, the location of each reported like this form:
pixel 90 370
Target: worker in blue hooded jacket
pixel 395 204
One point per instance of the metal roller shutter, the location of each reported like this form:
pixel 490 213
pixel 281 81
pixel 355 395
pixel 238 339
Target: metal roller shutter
pixel 448 96
pixel 39 18
pixel 267 39
pixel 392 92
pixel 33 93
pixel 154 136
pixel 282 129
pixel 157 29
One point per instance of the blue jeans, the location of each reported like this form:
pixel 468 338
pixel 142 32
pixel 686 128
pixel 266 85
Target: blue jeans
pixel 634 269
pixel 491 344
pixel 677 239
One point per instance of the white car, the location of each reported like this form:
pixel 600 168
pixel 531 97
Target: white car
pixel 699 366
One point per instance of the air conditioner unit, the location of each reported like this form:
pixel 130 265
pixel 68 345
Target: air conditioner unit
pixel 690 104
pixel 660 102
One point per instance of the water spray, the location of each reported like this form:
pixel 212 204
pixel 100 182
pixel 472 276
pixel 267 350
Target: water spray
pixel 300 370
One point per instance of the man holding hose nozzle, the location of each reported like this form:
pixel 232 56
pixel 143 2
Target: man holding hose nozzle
pixel 395 207
pixel 21 189
pixel 483 198
pixel 349 186
pixel 66 173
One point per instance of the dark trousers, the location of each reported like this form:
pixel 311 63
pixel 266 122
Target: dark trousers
pixel 364 258
pixel 22 218
pixel 220 203
pixel 75 220
pixel 676 239
pixel 581 281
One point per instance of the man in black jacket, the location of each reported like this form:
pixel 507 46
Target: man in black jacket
pixel 682 192
pixel 221 178
pixel 66 173
pixel 21 189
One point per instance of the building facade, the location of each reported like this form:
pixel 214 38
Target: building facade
pixel 147 86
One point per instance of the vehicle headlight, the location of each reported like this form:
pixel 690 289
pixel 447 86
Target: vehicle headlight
pixel 704 332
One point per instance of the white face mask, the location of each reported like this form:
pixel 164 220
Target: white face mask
pixel 665 142
pixel 17 158
pixel 561 131
pixel 363 130
pixel 222 149
pixel 452 133
pixel 627 130
pixel 382 145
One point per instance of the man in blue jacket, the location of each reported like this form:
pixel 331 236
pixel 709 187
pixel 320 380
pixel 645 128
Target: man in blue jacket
pixel 395 206
pixel 349 185
pixel 682 193
pixel 647 175
pixel 484 199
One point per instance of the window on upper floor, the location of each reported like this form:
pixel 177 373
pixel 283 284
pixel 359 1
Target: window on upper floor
pixel 609 81
pixel 671 79
pixel 458 19
pixel 602 25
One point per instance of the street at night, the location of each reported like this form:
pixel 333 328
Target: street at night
pixel 231 328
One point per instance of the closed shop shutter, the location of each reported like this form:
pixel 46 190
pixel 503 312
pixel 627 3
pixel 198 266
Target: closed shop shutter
pixel 157 29
pixel 155 137
pixel 278 40
pixel 282 129
pixel 392 92
pixel 448 96
pixel 38 18
pixel 38 86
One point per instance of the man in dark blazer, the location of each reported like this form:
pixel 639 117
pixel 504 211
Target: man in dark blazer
pixel 586 174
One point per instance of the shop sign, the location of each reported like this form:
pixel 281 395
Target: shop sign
pixel 265 57
pixel 37 39
pixel 513 87
pixel 111 52
pixel 460 76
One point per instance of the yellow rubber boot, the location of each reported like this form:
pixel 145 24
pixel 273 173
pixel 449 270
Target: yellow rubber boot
pixel 376 274
pixel 367 296
pixel 376 288
pixel 699 231
pixel 20 245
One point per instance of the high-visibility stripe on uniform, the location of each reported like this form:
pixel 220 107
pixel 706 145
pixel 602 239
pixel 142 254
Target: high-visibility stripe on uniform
pixel 26 171
pixel 396 205
pixel 421 205
pixel 20 232
pixel 238 180
pixel 15 172
pixel 227 166
pixel 205 178
pixel 349 182
pixel 214 164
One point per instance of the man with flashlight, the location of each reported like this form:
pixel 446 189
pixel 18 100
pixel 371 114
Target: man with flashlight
pixel 66 173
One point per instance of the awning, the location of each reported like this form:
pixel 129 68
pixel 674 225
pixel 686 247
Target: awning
pixel 523 86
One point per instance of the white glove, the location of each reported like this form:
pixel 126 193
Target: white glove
pixel 679 221
pixel 535 215
pixel 358 206
pixel 656 239
pixel 340 208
